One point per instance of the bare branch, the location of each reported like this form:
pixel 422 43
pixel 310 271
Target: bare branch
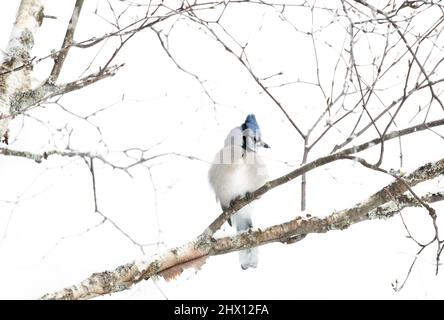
pixel 22 101
pixel 67 42
pixel 194 253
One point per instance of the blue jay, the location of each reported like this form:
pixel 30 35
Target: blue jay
pixel 236 171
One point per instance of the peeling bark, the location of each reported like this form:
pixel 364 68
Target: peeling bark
pixel 18 56
pixel 383 204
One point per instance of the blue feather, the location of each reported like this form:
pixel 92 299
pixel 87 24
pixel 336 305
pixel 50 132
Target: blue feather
pixel 251 123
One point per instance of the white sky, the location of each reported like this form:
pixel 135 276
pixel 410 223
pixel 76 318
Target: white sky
pixel 48 239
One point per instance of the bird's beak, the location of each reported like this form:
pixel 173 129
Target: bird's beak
pixel 265 145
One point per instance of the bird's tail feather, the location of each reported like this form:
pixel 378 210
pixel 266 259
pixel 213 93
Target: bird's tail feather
pixel 242 221
pixel 248 258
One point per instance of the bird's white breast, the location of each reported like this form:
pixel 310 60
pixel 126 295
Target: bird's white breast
pixel 235 172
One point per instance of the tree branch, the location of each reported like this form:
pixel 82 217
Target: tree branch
pixel 28 20
pixel 383 204
pixel 240 203
pixel 22 101
pixel 67 42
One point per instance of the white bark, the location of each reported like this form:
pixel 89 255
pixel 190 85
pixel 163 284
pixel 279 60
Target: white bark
pixel 383 204
pixel 18 55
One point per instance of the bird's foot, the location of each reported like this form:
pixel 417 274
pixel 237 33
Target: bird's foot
pixel 232 202
pixel 249 196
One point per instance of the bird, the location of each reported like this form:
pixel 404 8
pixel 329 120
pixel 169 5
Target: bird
pixel 238 170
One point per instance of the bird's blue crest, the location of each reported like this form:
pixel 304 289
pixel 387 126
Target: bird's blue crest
pixel 251 123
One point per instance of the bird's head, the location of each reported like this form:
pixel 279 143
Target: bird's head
pixel 252 138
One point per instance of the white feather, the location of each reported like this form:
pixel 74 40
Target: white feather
pixel 235 172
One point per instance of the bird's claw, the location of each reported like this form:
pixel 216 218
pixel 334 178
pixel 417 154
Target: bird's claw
pixel 232 202
pixel 248 195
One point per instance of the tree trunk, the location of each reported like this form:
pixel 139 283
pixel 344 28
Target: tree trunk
pixel 16 67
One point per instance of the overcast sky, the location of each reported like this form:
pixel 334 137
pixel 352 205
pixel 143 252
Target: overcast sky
pixel 50 236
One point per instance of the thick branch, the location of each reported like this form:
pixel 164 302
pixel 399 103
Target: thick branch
pixel 379 205
pixel 29 18
pixel 335 221
pixel 344 154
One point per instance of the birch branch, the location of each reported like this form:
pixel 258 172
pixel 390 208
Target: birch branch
pixel 22 101
pixel 383 204
pixel 29 18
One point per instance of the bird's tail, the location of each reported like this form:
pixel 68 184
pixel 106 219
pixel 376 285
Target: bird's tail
pixel 242 221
